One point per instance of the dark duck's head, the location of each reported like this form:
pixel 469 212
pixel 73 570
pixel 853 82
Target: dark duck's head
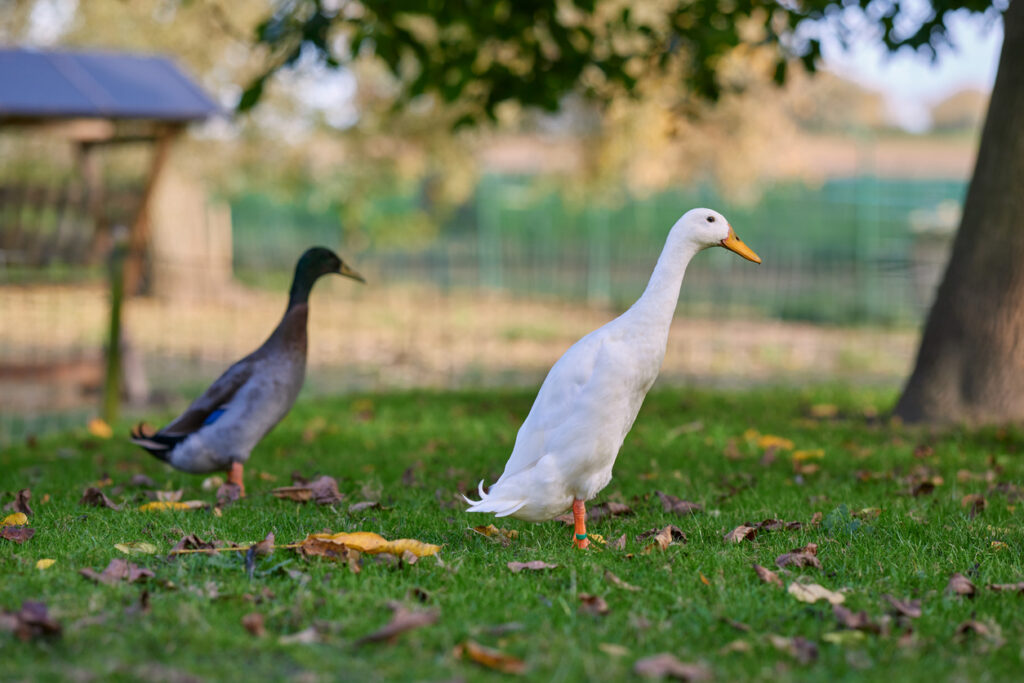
pixel 315 262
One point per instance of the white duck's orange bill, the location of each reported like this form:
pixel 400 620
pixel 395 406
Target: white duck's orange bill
pixel 735 244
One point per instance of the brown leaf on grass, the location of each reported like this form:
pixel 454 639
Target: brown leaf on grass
pixel 974 503
pixel 191 542
pixel 31 621
pixel 767 575
pixel 16 534
pixel 1007 587
pixel 907 608
pixel 228 493
pixel 857 621
pixel 535 565
pixel 502 536
pixel 266 546
pixel 402 620
pixel 253 622
pixel 93 496
pixel 740 534
pixel 118 570
pixel 609 576
pixel 141 481
pixel 323 490
pixel 363 505
pixel 961 585
pixel 313 546
pixel 618 544
pixel 670 503
pixel 20 503
pixel 812 592
pixel 666 665
pixel 166 496
pixel 800 557
pixel 816 519
pixel 989 631
pixel 607 509
pixel 300 494
pixel 663 537
pixel 490 658
pixel 801 649
pixel 776 525
pixel 593 604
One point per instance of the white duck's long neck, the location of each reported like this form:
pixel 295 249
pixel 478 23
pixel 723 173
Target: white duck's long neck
pixel 657 304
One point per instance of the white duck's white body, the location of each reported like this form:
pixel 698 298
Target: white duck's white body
pixel 566 448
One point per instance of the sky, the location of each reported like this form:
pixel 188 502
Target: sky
pixel 912 82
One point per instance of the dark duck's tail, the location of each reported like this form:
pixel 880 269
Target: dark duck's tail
pixel 157 444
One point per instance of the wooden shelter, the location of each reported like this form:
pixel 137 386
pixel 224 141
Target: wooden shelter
pixel 93 100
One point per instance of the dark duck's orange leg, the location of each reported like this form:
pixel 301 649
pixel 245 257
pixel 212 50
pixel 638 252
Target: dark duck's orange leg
pixel 579 516
pixel 235 476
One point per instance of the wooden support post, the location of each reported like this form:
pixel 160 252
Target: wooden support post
pixel 112 385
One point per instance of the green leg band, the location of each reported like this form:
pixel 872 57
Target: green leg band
pixel 581 537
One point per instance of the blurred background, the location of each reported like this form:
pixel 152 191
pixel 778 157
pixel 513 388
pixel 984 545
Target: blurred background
pixel 487 250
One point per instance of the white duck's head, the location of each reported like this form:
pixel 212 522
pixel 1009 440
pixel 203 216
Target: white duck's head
pixel 709 228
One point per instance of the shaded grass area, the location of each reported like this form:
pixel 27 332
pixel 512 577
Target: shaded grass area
pixel 695 445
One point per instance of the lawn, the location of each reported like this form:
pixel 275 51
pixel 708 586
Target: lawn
pixel 893 521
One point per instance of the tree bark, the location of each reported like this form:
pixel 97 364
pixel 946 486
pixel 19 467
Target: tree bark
pixel 970 366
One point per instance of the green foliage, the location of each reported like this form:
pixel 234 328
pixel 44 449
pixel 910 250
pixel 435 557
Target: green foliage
pixel 534 52
pixel 691 595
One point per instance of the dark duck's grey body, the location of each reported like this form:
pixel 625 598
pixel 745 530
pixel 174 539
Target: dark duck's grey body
pixel 221 427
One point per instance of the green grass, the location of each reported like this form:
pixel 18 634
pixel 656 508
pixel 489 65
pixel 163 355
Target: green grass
pixel 197 602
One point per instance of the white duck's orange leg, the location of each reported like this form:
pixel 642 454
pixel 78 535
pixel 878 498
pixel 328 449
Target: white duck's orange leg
pixel 235 476
pixel 579 516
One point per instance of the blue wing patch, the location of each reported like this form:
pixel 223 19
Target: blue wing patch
pixel 214 416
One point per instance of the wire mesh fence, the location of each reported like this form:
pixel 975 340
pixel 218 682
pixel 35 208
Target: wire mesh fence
pixel 497 293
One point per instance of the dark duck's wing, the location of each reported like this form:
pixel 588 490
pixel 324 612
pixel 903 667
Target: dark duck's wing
pixel 203 411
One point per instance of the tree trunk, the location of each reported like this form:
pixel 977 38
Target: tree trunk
pixel 970 366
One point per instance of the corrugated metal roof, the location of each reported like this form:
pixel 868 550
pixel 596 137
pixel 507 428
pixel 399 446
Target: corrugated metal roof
pixel 50 84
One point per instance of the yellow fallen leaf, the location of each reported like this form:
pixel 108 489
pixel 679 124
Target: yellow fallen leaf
pixel 15 519
pixel 999 545
pixel 813 454
pixel 100 429
pixel 824 410
pixel 766 441
pixel 44 564
pixel 812 592
pixel 174 505
pixel 136 548
pixel 844 637
pixel 372 544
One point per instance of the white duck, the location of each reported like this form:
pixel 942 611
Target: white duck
pixel 565 450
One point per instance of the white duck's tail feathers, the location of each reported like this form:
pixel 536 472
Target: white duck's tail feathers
pixel 496 505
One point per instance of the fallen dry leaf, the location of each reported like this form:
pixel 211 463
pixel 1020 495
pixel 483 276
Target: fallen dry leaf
pixel 228 493
pixel 490 658
pixel 20 502
pixel 363 505
pixel 15 519
pixel 266 546
pixel 503 536
pixel 663 538
pixel 402 620
pixel 618 544
pixel 338 552
pixel 306 636
pixel 593 604
pixel 166 496
pixel 253 622
pixel 45 563
pixel 907 608
pixel 535 565
pixel 96 498
pixel 858 621
pixel 812 592
pixel 740 534
pixel 666 665
pixel 99 428
pixel 136 548
pixel 117 570
pixel 961 585
pixel 372 544
pixel 801 649
pixel 989 631
pixel 670 503
pixel 799 557
pixel 1006 587
pixel 160 505
pixel 16 534
pixel 323 490
pixel 776 525
pixel 191 542
pixel 609 576
pixel 31 621
pixel 974 503
pixel 767 575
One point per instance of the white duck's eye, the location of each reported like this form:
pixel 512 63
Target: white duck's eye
pixel 711 219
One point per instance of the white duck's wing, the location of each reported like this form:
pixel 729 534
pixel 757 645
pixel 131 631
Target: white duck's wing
pixel 556 401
